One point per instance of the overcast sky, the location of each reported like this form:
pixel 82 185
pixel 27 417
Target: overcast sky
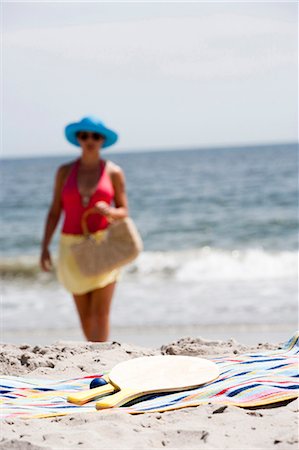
pixel 163 75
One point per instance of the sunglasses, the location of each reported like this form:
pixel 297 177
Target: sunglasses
pixel 84 136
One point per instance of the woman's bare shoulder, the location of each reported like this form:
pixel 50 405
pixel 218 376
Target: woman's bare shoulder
pixel 113 169
pixel 116 175
pixel 64 170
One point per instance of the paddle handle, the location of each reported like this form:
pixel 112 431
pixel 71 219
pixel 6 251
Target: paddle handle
pixel 118 399
pixel 80 398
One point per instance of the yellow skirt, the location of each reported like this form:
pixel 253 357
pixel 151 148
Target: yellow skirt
pixel 68 272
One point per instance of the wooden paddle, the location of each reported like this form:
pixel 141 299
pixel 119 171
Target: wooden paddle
pixel 153 374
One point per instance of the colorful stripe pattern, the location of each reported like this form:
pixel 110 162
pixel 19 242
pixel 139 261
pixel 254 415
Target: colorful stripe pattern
pixel 248 380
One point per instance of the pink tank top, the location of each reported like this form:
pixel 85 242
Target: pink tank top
pixel 72 202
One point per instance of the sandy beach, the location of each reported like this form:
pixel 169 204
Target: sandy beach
pixel 183 116
pixel 207 426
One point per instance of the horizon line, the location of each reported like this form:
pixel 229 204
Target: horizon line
pixel 162 149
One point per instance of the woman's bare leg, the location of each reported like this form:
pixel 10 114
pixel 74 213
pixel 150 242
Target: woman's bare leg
pixel 83 304
pixel 101 300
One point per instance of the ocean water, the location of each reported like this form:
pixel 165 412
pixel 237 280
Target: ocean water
pixel 220 231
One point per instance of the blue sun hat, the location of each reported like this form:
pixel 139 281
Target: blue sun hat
pixel 90 123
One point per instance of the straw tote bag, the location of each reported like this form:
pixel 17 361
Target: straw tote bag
pixel 120 245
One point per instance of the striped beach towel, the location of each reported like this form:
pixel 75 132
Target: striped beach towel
pixel 248 380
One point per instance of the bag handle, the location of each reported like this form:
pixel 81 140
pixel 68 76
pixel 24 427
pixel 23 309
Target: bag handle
pixel 87 213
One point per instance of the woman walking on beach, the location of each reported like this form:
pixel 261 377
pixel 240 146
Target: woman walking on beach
pixel 87 182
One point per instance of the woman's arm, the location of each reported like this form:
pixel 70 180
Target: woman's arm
pixel 53 217
pixel 121 209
